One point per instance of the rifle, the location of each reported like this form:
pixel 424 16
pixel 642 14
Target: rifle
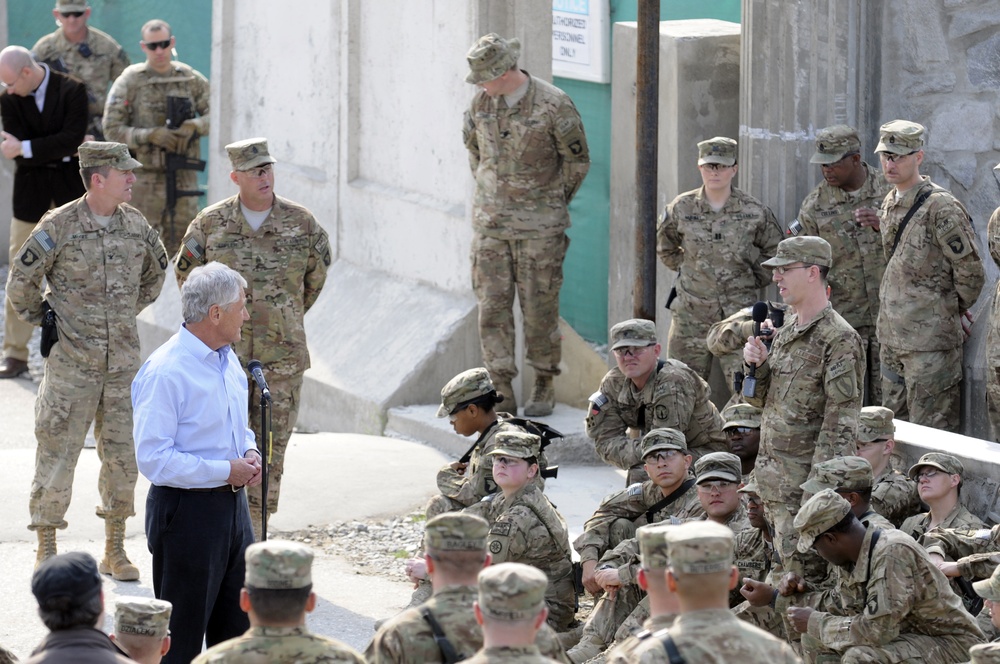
pixel 540 429
pixel 50 333
pixel 673 291
pixel 179 109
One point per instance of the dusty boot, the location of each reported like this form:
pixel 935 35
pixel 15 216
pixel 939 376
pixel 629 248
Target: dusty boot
pixel 543 397
pixel 509 404
pixel 46 545
pixel 116 562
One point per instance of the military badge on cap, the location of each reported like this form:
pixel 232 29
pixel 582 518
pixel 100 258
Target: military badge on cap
pixel 803 249
pixel 741 415
pixel 512 591
pixel 490 57
pixel 663 439
pixel 718 150
pixel 700 547
pixel 464 387
pixel 66 6
pixel 820 513
pixel 142 616
pixel 249 154
pixel 900 137
pixel 633 332
pixel 278 565
pixel 106 153
pixel 834 143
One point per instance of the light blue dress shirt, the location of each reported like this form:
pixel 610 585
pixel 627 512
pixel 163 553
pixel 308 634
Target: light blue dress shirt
pixel 189 407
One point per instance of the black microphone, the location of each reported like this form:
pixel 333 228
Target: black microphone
pixel 759 315
pixel 258 375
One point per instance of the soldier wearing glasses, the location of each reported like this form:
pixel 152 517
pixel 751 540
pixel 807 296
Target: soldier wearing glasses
pixel 84 51
pixel 136 114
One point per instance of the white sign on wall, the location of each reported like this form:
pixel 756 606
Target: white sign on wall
pixel 581 37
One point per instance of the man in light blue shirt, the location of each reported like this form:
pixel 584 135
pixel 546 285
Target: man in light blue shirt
pixel 193 444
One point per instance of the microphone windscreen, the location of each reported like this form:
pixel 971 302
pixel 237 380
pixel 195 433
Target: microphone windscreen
pixel 759 313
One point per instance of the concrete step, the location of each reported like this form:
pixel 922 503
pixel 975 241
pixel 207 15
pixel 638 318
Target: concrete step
pixel 421 423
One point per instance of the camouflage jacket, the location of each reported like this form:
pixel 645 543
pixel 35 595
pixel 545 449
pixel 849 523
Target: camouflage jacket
pixel 280 644
pixel 976 550
pixel 753 556
pixel 716 635
pixel 858 258
pixel 284 262
pixel 106 62
pixel 632 503
pixel 718 253
pixel 993 339
pixel 958 518
pixel 97 280
pixel 894 496
pixel 935 274
pixel 903 594
pixel 137 104
pixel 674 397
pixel 528 161
pixel 624 652
pixel 726 339
pixel 810 389
pixel 407 638
pixel 510 655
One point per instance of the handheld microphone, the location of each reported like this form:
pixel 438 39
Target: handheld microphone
pixel 759 315
pixel 258 375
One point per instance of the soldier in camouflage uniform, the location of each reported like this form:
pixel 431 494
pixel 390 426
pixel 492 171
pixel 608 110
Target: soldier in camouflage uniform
pixel 715 237
pixel 277 593
pixel 142 628
pixel 993 339
pixel 285 254
pixel 644 393
pixel 84 51
pixel 840 210
pixel 525 527
pixel 136 114
pixel 893 604
pixel 742 429
pixel 932 277
pixel 894 495
pixel 755 558
pixel 939 484
pixel 725 340
pixel 102 265
pixel 456 553
pixel 809 385
pixel 528 155
pixel 511 609
pixel 701 573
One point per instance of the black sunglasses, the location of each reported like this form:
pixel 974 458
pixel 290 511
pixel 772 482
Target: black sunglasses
pixel 155 46
pixel 71 14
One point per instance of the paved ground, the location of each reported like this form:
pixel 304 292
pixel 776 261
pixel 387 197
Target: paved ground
pixel 329 477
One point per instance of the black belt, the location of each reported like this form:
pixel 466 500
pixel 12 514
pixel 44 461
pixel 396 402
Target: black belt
pixel 225 488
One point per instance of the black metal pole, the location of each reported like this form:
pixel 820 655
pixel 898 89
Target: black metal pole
pixel 646 127
pixel 265 433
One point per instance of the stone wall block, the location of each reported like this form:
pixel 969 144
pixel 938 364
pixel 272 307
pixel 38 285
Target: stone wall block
pixel 960 125
pixel 974 19
pixel 982 63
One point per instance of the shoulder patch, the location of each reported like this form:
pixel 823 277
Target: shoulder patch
pixel 983 534
pixel 597 401
pixel 501 528
pixel 193 250
pixel 45 241
pixel 634 490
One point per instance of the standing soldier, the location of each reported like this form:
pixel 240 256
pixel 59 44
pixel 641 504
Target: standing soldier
pixel 102 264
pixel 993 340
pixel 84 51
pixel 894 495
pixel 933 276
pixel 137 114
pixel 715 236
pixel 528 155
pixel 840 210
pixel 285 254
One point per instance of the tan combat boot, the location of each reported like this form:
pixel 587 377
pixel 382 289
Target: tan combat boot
pixel 509 404
pixel 543 397
pixel 46 544
pixel 116 562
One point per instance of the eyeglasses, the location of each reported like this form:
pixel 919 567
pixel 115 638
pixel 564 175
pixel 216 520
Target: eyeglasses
pixel 715 485
pixel 660 457
pixel 453 415
pixel 258 173
pixel 928 474
pixel 7 86
pixel 715 167
pixel 754 499
pixel 71 14
pixel 506 461
pixel 892 158
pixel 631 351
pixel 156 46
pixel 781 269
pixel 732 431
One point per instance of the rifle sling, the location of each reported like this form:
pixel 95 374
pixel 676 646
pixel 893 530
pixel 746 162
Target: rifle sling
pixel 447 650
pixel 664 502
pixel 909 215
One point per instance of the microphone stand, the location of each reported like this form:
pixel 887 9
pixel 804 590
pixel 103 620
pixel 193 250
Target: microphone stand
pixel 266 434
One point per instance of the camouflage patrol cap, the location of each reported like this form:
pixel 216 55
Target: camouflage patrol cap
pixel 67 6
pixel 633 332
pixel 741 415
pixel 466 386
pixel 900 137
pixel 663 439
pixel 718 150
pixel 700 547
pixel 750 486
pixel 653 545
pixel 456 531
pixel 66 582
pixel 834 143
pixel 802 249
pixel 989 588
pixel 517 444
pixel 512 591
pixel 142 616
pixel 249 154
pixel 106 153
pixel 939 460
pixel 490 57
pixel 985 653
pixel 875 422
pixel 848 473
pixel 278 565
pixel 820 513
pixel 718 466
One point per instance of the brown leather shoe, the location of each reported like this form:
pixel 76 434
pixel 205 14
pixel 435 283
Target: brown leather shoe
pixel 11 368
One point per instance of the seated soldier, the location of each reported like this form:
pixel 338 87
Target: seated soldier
pixel 892 605
pixel 456 553
pixel 511 609
pixel 894 495
pixel 525 526
pixel 989 590
pixel 939 484
pixel 644 392
pixel 669 493
pixel 142 628
pixel 742 429
pixel 755 557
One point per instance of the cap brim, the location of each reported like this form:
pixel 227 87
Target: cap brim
pixel 443 411
pixel 663 446
pixel 985 590
pixel 806 542
pixel 912 472
pixel 507 452
pixel 725 161
pixel 256 162
pixel 814 486
pixel 822 158
pixel 893 148
pixel 778 262
pixel 129 164
pixel 740 423
pixel 635 343
pixel 717 475
pixel 749 488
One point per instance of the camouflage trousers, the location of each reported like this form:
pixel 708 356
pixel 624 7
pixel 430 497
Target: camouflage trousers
pixel 70 398
pixel 686 342
pixel 149 194
pixel 604 622
pixel 873 371
pixel 532 268
pixel 993 398
pixel 909 648
pixel 781 515
pixel 16 333
pixel 923 387
pixel 765 618
pixel 440 504
pixel 285 392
